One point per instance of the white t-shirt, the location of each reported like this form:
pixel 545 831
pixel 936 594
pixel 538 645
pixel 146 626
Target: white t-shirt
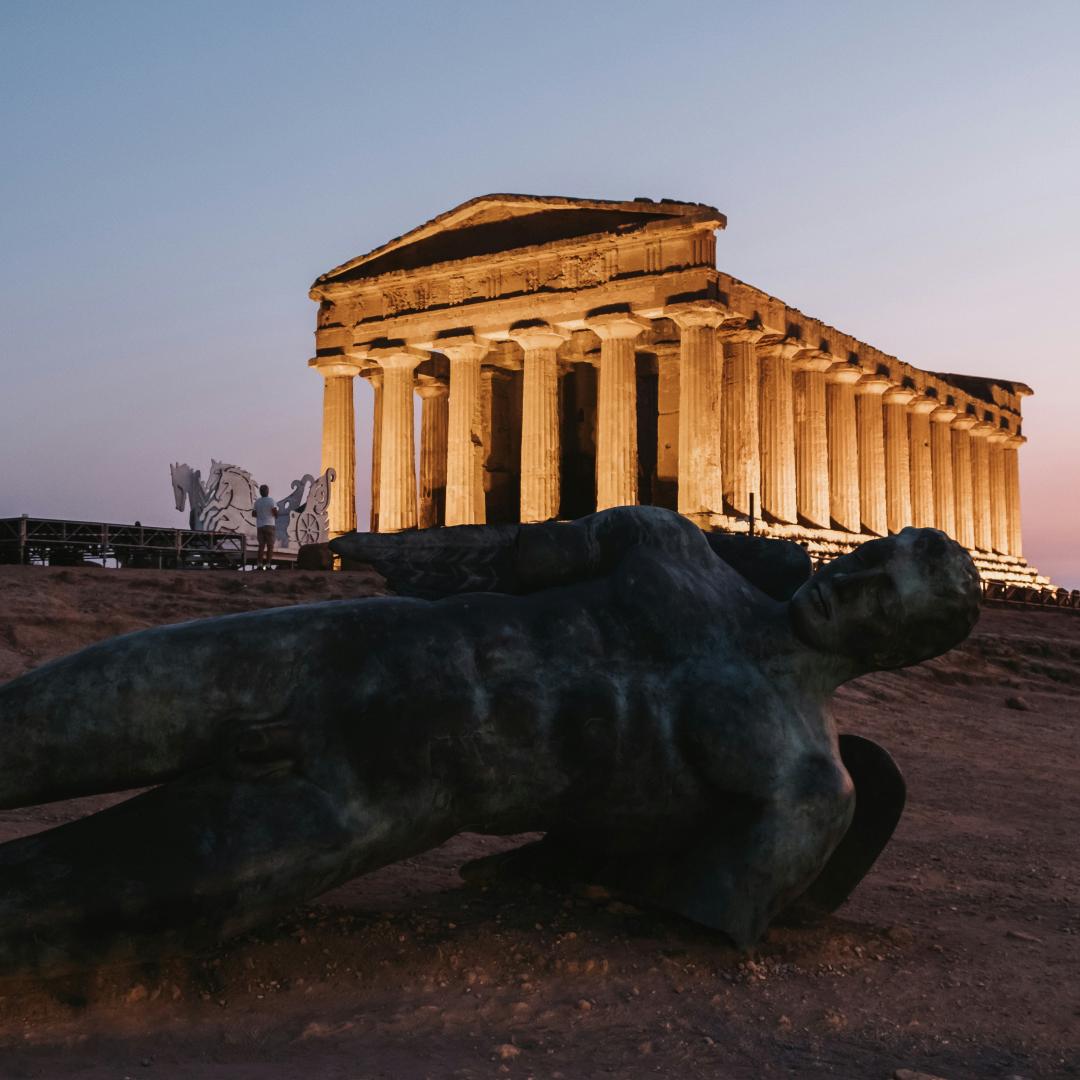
pixel 264 512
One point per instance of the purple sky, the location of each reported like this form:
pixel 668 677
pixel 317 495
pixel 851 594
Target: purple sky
pixel 175 176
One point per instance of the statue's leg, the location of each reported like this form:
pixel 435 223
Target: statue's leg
pixel 183 866
pixel 752 861
pixel 880 793
pixel 735 878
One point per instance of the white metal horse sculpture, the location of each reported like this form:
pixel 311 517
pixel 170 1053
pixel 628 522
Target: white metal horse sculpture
pixel 226 504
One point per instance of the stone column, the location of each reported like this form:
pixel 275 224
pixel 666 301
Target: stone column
pixel 776 413
pixel 433 428
pixel 922 471
pixel 941 458
pixel 740 461
pixel 999 497
pixel 465 434
pixel 397 466
pixel 667 424
pixel 375 378
pixel 1011 454
pixel 843 447
pixel 895 402
pixel 962 480
pixel 339 442
pixel 811 438
pixel 539 422
pixel 701 373
pixel 616 409
pixel 980 485
pixel 870 421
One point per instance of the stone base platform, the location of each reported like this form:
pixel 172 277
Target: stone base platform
pixel 826 544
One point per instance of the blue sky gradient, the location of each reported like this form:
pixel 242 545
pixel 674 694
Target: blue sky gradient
pixel 175 176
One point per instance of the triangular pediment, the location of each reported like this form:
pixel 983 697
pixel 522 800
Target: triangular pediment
pixel 496 223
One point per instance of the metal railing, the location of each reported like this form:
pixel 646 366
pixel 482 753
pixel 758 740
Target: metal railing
pixel 1000 594
pixel 57 542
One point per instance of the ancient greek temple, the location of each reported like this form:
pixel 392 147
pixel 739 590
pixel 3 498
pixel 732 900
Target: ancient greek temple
pixel 576 354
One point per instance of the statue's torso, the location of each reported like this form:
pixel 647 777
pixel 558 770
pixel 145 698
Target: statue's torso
pixel 633 700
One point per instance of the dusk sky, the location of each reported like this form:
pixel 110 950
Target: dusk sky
pixel 176 175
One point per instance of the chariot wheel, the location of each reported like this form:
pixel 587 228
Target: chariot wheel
pixel 307 529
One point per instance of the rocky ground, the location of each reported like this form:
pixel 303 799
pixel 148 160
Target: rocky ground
pixel 957 957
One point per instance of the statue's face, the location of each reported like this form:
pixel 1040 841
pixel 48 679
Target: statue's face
pixel 890 603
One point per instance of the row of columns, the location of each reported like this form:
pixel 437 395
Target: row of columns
pixel 819 443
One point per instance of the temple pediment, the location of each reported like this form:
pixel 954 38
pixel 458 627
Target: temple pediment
pixel 498 224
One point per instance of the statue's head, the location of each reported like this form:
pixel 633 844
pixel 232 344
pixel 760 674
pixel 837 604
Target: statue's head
pixel 891 603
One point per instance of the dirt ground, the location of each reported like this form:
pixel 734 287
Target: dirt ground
pixel 957 957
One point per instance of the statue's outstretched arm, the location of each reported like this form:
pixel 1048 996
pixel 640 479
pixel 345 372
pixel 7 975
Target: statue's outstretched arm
pixel 430 563
pixel 518 559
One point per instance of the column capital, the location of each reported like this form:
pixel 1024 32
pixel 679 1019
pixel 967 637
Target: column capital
pixel 428 387
pixel 943 414
pixel 396 356
pixel 537 335
pixel 698 313
pixel 964 422
pixel 330 366
pixel 617 325
pixel 843 373
pixel 997 437
pixel 898 395
pixel 1015 441
pixel 872 385
pixel 780 350
pixel 923 404
pixel 741 335
pixel 804 359
pixel 462 347
pixel 982 428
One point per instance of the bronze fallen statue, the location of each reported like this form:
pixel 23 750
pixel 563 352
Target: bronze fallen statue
pixel 653 700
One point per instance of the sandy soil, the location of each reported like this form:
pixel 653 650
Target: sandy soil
pixel 957 957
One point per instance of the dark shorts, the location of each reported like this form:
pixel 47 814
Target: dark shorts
pixel 266 534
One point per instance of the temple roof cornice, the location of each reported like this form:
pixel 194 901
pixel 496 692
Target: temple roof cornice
pixel 502 224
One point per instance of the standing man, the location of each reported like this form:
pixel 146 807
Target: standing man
pixel 265 510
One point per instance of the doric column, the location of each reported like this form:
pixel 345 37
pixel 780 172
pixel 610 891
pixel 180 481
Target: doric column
pixel 1011 455
pixel 776 421
pixel 539 422
pixel 922 470
pixel 894 403
pixel 941 458
pixel 397 472
pixel 339 442
pixel 980 485
pixel 433 428
pixel 740 462
pixel 962 480
pixel 701 373
pixel 465 437
pixel 374 377
pixel 811 438
pixel 616 409
pixel 871 427
pixel 999 497
pixel 667 424
pixel 843 446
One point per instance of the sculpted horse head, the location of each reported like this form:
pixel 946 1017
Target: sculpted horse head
pixel 188 488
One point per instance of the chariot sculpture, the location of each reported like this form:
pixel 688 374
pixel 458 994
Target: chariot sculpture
pixel 225 504
pixel 652 699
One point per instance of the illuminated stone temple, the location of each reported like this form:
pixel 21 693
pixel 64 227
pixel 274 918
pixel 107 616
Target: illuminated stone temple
pixel 576 354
